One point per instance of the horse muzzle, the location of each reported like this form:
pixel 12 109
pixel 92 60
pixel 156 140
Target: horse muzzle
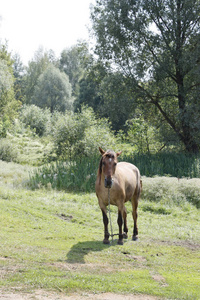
pixel 108 182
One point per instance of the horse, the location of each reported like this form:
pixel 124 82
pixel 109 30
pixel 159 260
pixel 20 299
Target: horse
pixel 124 183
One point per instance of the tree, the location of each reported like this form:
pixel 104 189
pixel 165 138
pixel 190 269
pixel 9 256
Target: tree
pixel 73 62
pixel 19 74
pixel 36 67
pixel 107 93
pixel 36 118
pixel 8 104
pixel 80 134
pixel 156 45
pixel 53 90
pixel 117 103
pixel 89 92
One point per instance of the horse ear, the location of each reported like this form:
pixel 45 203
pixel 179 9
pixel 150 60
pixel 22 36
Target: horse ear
pixel 118 153
pixel 101 151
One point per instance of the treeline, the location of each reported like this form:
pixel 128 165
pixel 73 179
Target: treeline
pixel 142 84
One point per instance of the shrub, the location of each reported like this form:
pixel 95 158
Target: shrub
pixel 7 151
pixel 80 134
pixel 35 117
pixel 170 191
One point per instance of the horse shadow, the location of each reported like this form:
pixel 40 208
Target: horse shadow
pixel 78 251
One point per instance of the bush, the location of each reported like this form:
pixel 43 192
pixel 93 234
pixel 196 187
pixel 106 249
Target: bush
pixel 170 191
pixel 35 117
pixel 7 151
pixel 80 134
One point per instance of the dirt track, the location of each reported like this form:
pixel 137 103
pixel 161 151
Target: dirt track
pixel 42 295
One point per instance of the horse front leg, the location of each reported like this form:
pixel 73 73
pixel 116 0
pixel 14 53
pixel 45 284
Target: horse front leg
pixel 120 224
pixel 105 221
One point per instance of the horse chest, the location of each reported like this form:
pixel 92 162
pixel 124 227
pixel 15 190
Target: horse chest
pixel 116 194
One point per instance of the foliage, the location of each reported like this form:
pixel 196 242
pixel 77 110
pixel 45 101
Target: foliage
pixel 25 147
pixel 108 94
pixel 169 191
pixel 89 87
pixel 155 44
pixel 19 75
pixel 35 68
pixel 35 117
pixel 80 134
pixel 166 164
pixel 78 175
pixel 8 151
pixel 53 90
pixel 142 136
pixel 117 103
pixel 74 62
pixel 8 104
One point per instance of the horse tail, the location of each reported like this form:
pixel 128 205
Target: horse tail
pixel 139 184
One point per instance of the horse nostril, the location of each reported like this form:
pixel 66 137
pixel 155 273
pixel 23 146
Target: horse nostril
pixel 108 182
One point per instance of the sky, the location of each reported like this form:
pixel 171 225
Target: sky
pixel 51 24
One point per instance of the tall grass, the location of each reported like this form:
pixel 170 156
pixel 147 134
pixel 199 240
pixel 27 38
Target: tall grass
pixel 164 164
pixel 80 175
pixel 74 176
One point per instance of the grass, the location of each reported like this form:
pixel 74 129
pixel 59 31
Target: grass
pixel 52 240
pixel 25 148
pixel 174 164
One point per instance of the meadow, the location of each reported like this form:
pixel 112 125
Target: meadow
pixel 51 240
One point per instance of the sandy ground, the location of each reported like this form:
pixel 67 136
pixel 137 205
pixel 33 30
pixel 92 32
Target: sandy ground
pixel 42 295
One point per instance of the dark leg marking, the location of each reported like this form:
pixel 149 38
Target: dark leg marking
pixel 120 223
pixel 106 233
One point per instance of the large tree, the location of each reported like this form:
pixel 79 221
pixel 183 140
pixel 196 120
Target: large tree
pixel 156 45
pixel 53 90
pixel 74 61
pixel 8 104
pixel 40 62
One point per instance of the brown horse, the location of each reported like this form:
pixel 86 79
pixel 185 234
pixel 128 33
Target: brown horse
pixel 123 180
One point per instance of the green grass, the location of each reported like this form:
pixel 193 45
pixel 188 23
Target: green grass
pixel 25 148
pixel 176 164
pixel 52 240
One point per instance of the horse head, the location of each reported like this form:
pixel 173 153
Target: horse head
pixel 107 165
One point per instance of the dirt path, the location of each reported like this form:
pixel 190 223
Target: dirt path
pixel 42 295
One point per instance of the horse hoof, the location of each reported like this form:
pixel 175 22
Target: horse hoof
pixel 120 242
pixel 106 242
pixel 125 235
pixel 134 238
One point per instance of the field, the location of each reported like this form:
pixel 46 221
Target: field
pixel 51 242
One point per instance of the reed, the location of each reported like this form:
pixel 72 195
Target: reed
pixel 167 164
pixel 74 176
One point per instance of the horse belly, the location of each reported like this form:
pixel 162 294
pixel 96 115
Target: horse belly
pixel 129 182
pixel 129 192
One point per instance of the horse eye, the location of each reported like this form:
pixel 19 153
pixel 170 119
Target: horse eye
pixel 103 163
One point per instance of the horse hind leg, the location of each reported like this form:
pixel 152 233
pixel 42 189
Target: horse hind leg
pixel 125 234
pixel 135 215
